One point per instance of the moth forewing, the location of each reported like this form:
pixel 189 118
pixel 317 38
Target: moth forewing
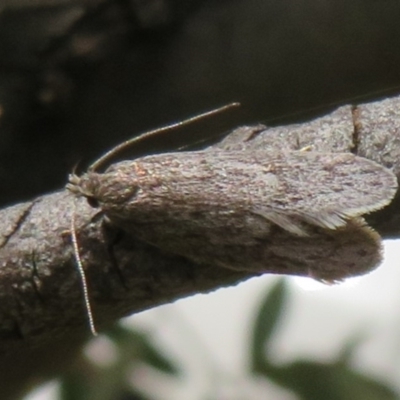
pixel 286 188
pixel 251 210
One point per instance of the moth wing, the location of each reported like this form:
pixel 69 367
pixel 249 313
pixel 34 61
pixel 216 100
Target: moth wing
pixel 324 189
pixel 293 223
pixel 330 220
pixel 286 222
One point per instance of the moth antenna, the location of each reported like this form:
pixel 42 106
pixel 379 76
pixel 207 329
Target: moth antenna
pixel 81 271
pixel 109 154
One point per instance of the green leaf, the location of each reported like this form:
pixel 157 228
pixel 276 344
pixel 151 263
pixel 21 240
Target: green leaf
pixel 315 381
pixel 345 354
pixel 265 324
pixel 73 387
pixel 139 346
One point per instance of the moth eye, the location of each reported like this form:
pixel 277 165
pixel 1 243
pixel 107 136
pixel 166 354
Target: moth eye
pixel 93 202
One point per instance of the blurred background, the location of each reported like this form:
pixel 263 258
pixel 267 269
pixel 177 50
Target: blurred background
pixel 78 76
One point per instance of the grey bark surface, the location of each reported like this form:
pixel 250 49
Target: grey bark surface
pixel 42 319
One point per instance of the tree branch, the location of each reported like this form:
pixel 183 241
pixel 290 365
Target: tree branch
pixel 42 319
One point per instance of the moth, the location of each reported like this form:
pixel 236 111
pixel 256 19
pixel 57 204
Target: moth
pixel 266 210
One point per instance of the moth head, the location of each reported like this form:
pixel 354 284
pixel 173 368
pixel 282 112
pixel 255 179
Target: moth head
pixel 83 186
